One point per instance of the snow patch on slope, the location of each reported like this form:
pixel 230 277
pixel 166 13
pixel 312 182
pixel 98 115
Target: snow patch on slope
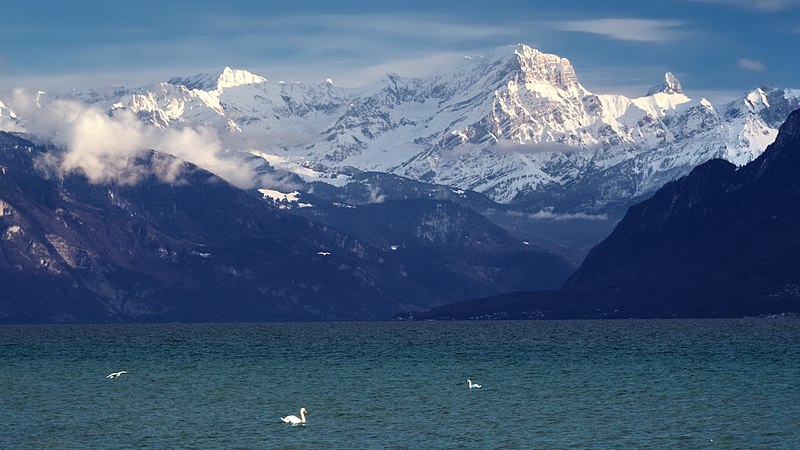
pixel 283 199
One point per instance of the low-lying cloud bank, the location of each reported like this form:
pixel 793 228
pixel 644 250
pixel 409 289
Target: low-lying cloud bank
pixel 550 214
pixel 108 146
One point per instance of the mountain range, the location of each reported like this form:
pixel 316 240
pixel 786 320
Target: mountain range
pixel 719 242
pixel 315 202
pixel 514 124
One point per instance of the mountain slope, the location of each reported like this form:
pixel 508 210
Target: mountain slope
pixel 719 242
pixel 196 249
pixel 454 252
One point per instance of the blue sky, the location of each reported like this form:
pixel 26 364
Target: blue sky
pixel 717 48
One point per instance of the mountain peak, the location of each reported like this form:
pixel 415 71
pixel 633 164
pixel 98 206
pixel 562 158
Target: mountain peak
pixel 670 85
pixel 227 78
pixel 237 77
pixel 539 66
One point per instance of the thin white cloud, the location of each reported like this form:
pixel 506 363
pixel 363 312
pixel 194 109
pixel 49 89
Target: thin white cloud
pixel 433 28
pixel 627 29
pixel 756 5
pixel 548 213
pixel 424 64
pixel 751 64
pixel 357 49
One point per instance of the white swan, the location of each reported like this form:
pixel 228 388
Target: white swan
pixel 294 420
pixel 473 385
pixel 116 374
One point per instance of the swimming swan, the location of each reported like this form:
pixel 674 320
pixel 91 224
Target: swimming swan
pixel 116 374
pixel 473 385
pixel 294 420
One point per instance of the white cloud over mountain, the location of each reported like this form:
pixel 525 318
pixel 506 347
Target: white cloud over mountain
pixel 107 146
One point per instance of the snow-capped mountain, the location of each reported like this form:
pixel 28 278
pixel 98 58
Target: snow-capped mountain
pixel 515 124
pixel 8 119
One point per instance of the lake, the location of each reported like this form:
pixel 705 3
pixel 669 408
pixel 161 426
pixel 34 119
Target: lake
pixel 546 384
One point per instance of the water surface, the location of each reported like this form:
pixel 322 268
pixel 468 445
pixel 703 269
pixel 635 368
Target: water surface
pixel 546 384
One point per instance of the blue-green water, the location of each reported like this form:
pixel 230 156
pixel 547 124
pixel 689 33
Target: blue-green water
pixel 546 384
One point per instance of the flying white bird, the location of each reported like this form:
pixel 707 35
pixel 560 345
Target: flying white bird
pixel 323 253
pixel 116 374
pixel 294 420
pixel 473 385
